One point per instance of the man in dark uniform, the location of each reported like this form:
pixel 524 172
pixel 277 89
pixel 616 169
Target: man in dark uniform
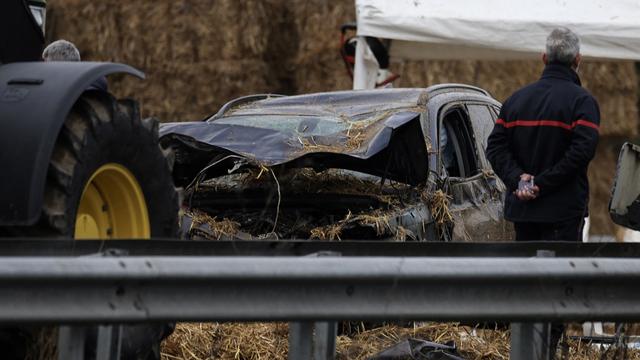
pixel 541 146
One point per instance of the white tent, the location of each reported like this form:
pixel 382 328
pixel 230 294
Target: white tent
pixel 494 29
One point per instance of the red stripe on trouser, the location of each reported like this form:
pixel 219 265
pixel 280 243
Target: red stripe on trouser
pixel 552 123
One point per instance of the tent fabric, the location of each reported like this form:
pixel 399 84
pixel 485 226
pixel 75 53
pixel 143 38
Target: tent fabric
pixel 500 29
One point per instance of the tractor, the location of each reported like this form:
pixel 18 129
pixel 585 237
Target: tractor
pixel 78 162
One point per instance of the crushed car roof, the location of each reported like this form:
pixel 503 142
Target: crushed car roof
pixel 376 132
pixel 341 103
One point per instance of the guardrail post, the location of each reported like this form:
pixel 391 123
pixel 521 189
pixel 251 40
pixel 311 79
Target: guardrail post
pixel 109 342
pixel 531 341
pixel 300 340
pixel 315 341
pixel 324 342
pixel 71 342
pixel 319 338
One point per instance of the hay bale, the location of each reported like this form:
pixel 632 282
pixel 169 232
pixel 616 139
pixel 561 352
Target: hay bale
pixel 427 73
pixel 502 78
pixel 318 65
pixel 614 84
pixel 197 55
pixel 618 112
pixel 224 29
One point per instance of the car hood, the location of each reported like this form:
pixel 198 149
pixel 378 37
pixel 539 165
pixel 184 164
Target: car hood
pixel 389 144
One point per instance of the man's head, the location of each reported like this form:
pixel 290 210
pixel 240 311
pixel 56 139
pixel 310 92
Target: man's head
pixel 563 47
pixel 61 50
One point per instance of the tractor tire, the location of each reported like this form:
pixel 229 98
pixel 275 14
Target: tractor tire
pixel 106 162
pixel 103 139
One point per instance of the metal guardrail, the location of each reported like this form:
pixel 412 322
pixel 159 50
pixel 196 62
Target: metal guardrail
pixel 49 247
pixel 132 289
pixel 83 283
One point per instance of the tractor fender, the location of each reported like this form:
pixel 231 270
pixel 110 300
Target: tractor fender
pixel 35 99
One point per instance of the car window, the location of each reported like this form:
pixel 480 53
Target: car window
pixel 482 120
pixel 457 149
pixel 305 125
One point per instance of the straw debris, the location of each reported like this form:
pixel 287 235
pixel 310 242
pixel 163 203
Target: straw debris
pixel 439 205
pixel 378 219
pixel 352 138
pixel 218 228
pixel 328 232
pixel 374 204
pixel 310 144
pixel 209 341
pixel 402 234
pixel 355 136
pixel 228 341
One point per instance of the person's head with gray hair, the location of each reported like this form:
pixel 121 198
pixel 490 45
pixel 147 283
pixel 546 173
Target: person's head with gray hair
pixel 563 47
pixel 61 50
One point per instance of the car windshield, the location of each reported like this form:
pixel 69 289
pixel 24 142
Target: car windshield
pixel 303 125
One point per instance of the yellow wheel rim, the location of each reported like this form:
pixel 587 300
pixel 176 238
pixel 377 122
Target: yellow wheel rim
pixel 112 206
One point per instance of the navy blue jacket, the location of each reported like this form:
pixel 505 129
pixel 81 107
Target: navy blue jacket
pixel 548 129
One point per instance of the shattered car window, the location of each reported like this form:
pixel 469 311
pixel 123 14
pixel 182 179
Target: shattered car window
pixel 306 125
pixel 482 122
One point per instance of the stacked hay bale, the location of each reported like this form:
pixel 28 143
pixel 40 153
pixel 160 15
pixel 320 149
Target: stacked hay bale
pixel 199 54
pixel 318 65
pixel 615 85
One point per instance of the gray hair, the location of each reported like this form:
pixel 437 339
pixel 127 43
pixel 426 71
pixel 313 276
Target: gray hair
pixel 61 50
pixel 563 45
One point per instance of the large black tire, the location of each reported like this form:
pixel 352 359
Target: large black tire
pixel 99 130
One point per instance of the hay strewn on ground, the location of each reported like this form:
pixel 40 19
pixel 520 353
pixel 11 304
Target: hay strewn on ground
pixel 199 54
pixel 269 341
pixel 209 341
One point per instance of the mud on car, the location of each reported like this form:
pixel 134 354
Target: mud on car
pixel 390 164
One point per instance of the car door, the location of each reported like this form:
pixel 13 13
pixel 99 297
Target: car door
pixel 476 194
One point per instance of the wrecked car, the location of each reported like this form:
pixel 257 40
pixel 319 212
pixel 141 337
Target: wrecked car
pixel 389 164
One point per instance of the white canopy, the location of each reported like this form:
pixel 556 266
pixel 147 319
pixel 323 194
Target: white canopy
pixel 500 29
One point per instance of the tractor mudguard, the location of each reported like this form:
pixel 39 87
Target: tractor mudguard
pixel 35 98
